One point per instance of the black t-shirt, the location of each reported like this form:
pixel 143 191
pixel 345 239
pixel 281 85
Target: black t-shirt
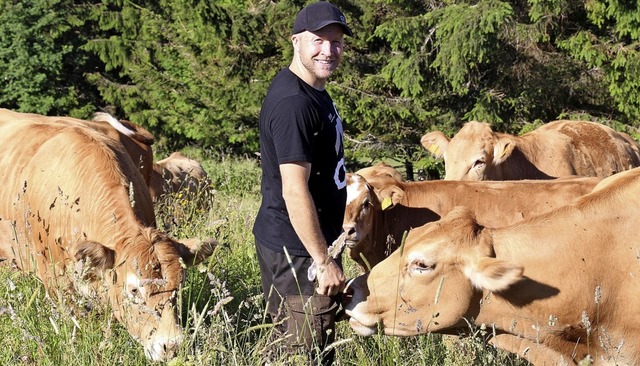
pixel 299 123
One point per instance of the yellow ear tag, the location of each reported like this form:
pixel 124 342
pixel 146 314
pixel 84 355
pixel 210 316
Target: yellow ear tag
pixel 435 150
pixel 386 203
pixel 504 152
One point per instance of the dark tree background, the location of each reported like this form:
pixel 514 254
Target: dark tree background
pixel 194 72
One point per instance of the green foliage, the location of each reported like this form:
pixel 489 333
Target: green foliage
pixel 465 38
pixel 611 45
pixel 194 72
pixel 41 61
pixel 189 70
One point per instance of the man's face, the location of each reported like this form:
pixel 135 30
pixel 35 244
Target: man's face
pixel 319 52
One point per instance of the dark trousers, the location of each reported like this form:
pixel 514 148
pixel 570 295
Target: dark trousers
pixel 307 318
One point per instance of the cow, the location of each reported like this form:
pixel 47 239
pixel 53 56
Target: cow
pixel 381 209
pixel 136 140
pixel 556 149
pixel 555 289
pixel 177 173
pixel 75 211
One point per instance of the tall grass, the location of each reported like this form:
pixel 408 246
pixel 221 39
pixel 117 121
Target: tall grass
pixel 221 304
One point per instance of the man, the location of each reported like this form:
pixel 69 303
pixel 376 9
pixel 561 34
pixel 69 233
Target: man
pixel 303 185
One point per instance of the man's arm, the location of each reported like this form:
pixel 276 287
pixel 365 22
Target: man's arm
pixel 303 216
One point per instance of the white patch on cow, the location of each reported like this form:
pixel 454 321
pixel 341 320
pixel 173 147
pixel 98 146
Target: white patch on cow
pixel 492 274
pixel 165 339
pixel 472 274
pixel 135 291
pixel 354 189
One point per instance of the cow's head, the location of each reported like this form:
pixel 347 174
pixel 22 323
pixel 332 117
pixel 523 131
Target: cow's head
pixel 380 170
pixel 141 281
pixel 432 283
pixel 472 154
pixel 364 205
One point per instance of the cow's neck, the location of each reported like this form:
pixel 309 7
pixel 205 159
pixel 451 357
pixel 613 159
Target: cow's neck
pixel 562 257
pixel 409 213
pixel 522 162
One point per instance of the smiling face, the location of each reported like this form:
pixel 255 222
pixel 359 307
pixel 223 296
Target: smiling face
pixel 317 54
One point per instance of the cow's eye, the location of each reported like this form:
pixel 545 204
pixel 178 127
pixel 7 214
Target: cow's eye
pixel 478 164
pixel 420 266
pixel 366 203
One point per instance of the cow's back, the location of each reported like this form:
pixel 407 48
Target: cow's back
pixel 137 143
pixel 582 148
pixel 502 203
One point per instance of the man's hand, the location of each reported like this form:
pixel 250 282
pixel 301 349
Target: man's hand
pixel 331 280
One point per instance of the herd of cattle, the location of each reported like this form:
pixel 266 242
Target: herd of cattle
pixel 531 236
pixel 548 260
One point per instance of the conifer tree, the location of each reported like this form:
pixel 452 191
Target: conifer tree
pixel 42 63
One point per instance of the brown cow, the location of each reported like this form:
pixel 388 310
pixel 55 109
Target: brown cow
pixel 83 222
pixel 379 210
pixel 176 173
pixel 557 149
pixel 135 139
pixel 554 289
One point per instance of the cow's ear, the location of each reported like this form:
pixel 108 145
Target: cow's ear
pixel 390 196
pixel 194 251
pixel 493 274
pixel 502 149
pixel 99 257
pixel 435 142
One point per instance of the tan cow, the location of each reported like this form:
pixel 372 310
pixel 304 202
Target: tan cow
pixel 379 210
pixel 557 149
pixel 84 223
pixel 554 289
pixel 135 139
pixel 177 173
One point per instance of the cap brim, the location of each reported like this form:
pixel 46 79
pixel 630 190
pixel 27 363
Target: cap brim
pixel 346 29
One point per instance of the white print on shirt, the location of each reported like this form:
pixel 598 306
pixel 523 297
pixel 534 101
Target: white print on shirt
pixel 340 183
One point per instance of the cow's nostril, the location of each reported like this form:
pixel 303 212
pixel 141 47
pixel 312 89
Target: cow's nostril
pixel 350 231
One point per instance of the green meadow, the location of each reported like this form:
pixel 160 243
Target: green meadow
pixel 221 305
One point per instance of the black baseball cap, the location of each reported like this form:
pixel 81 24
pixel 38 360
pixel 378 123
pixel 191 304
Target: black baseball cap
pixel 319 15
